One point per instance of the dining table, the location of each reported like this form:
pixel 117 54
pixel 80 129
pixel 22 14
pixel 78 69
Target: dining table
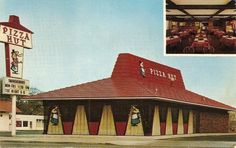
pixel 183 34
pixel 200 42
pixel 173 40
pixel 228 40
pixel 219 33
pixel 213 30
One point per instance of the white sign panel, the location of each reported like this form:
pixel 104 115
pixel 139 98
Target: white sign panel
pixel 15 59
pixel 13 86
pixel 15 36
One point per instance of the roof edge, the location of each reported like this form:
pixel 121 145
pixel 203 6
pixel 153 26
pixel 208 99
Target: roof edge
pixel 151 98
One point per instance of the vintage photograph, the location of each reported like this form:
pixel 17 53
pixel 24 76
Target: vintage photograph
pixel 97 73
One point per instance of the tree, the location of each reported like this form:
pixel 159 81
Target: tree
pixel 29 107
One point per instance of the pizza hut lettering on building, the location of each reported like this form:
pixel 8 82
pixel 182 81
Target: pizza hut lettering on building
pixel 156 72
pixel 159 73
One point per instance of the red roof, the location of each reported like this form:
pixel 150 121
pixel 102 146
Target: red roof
pixel 127 82
pixel 5 106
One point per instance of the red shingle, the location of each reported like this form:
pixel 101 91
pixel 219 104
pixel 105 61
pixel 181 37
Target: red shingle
pixel 5 106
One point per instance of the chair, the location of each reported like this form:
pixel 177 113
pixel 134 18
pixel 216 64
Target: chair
pixel 190 40
pixel 199 49
pixel 209 49
pixel 188 49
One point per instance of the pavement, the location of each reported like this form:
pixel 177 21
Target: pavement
pixel 123 141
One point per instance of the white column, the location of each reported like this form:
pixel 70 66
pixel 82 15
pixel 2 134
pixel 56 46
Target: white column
pixel 180 123
pixel 80 126
pixel 156 126
pixel 190 122
pixel 13 115
pixel 169 129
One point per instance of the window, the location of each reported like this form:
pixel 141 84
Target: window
pixel 39 120
pixel 18 123
pixel 30 124
pixel 25 123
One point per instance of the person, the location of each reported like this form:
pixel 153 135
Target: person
pixel 142 70
pixel 55 116
pixel 135 116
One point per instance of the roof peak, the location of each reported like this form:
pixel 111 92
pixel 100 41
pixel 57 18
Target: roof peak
pixel 129 65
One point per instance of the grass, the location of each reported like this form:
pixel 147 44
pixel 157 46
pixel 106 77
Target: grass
pixel 23 132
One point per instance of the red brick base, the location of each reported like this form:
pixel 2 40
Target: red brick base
pixel 213 122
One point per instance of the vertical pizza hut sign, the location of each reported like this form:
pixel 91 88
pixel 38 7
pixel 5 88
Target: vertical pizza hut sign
pixel 16 37
pixel 14 60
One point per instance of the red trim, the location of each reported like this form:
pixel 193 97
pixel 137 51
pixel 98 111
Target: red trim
pixel 120 128
pixel 174 127
pixel 7 57
pixel 163 128
pixel 93 128
pixel 185 128
pixel 67 126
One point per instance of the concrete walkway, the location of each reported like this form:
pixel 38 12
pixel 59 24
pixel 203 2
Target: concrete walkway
pixel 152 141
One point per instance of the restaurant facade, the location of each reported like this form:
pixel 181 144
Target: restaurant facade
pixel 141 97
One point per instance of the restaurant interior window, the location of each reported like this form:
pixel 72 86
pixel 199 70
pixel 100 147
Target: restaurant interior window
pixel 174 25
pixel 229 28
pixel 181 24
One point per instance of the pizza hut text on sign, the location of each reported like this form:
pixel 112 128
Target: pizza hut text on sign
pixel 159 73
pixel 15 36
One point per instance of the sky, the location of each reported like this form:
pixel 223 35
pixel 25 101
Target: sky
pixel 78 41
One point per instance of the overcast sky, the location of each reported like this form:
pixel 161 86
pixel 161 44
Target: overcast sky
pixel 77 41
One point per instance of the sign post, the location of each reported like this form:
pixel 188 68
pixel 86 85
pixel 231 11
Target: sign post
pixel 13 115
pixel 16 37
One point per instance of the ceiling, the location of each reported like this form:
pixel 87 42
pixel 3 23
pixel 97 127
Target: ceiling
pixel 200 9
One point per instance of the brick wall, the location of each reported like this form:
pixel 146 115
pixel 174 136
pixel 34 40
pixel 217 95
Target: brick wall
pixel 213 122
pixel 232 122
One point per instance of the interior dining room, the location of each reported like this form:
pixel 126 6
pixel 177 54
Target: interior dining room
pixel 200 27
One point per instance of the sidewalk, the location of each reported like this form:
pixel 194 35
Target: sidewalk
pixel 164 140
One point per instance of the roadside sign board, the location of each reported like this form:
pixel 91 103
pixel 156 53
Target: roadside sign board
pixel 14 86
pixel 14 61
pixel 15 36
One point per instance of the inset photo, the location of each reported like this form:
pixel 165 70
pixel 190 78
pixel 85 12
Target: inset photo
pixel 200 27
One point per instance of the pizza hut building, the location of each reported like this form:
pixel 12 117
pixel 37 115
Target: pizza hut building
pixel 141 97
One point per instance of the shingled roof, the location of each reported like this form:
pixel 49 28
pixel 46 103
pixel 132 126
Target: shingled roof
pixel 126 82
pixel 5 106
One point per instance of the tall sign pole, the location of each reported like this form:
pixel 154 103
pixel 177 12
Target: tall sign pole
pixel 13 114
pixel 16 37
